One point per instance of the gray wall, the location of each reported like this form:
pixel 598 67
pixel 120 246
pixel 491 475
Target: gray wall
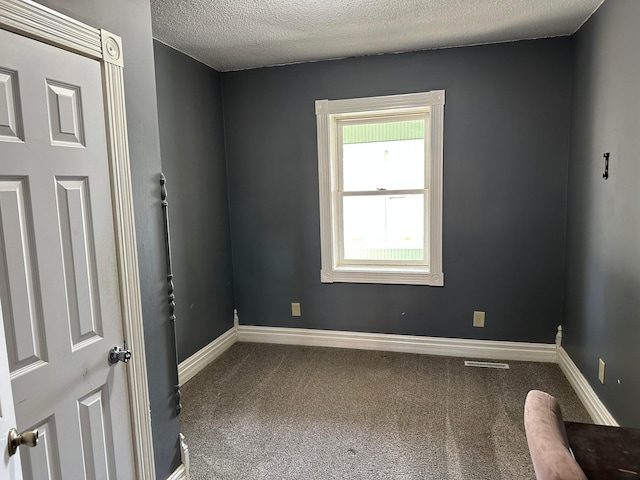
pixel 193 158
pixel 131 19
pixel 506 148
pixel 603 233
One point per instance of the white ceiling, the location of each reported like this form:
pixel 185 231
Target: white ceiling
pixel 239 34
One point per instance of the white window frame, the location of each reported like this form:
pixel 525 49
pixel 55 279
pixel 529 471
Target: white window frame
pixel 328 115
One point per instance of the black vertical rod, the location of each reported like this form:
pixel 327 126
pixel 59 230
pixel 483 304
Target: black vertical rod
pixel 171 295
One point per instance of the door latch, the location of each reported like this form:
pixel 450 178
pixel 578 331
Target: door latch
pixel 117 354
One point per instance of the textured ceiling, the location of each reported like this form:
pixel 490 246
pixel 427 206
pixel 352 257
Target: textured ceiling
pixel 240 34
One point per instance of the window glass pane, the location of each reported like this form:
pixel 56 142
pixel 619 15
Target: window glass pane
pixel 384 227
pixel 386 156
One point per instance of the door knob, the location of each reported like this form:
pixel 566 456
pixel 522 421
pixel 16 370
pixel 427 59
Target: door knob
pixel 117 354
pixel 28 438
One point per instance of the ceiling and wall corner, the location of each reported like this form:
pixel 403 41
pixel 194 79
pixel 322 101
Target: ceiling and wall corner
pixel 242 34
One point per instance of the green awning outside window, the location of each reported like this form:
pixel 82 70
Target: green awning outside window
pixel 383 132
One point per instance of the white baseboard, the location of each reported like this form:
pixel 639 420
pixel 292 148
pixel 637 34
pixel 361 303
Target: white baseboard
pixel 184 455
pixel 596 409
pixel 203 357
pixel 179 473
pixel 452 347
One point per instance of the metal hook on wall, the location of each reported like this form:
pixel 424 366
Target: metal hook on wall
pixel 605 175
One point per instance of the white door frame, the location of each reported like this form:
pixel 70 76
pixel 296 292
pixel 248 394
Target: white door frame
pixel 41 23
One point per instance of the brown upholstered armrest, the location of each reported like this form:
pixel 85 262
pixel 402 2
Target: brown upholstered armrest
pixel 547 439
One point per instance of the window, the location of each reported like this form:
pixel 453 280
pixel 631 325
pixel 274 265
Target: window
pixel 380 171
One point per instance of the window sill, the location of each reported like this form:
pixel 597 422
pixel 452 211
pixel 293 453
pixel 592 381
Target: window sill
pixel 396 276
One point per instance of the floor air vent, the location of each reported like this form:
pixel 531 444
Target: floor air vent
pixel 468 363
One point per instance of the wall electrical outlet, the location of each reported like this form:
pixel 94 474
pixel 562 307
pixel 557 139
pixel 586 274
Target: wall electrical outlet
pixel 295 309
pixel 601 365
pixel 478 319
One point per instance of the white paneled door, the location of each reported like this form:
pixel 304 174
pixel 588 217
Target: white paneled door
pixel 59 289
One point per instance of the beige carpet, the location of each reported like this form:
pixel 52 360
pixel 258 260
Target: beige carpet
pixel 285 412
